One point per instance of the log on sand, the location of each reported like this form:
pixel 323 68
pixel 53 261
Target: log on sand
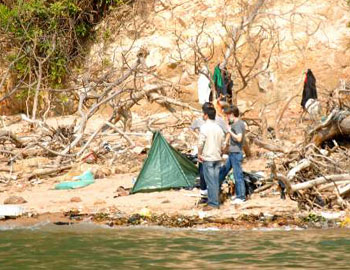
pixel 319 181
pixel 4 134
pixel 336 128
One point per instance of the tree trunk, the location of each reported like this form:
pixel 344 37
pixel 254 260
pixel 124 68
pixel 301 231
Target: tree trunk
pixel 37 90
pixel 329 132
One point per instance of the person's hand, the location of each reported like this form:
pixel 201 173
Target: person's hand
pixel 200 158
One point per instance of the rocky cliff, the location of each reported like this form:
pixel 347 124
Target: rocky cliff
pixel 308 34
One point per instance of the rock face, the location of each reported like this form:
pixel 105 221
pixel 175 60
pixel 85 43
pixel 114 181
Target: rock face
pixel 315 37
pixel 14 200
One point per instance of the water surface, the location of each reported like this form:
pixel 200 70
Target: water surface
pixel 91 247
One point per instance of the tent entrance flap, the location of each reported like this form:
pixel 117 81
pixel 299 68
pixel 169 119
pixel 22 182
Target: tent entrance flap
pixel 164 168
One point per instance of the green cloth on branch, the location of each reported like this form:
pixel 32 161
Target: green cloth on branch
pixel 217 78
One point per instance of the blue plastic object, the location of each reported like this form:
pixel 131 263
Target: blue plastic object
pixel 87 178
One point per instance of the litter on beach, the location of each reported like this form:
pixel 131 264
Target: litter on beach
pixel 87 178
pixel 11 210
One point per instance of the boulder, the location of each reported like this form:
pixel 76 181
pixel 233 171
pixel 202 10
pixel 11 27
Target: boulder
pixel 121 191
pixel 14 200
pixel 75 199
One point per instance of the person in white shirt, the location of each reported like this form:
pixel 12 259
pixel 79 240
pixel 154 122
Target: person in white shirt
pixel 196 125
pixel 211 143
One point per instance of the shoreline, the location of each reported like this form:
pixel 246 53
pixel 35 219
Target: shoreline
pixel 102 203
pixel 243 222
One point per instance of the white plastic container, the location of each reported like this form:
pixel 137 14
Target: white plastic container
pixel 10 210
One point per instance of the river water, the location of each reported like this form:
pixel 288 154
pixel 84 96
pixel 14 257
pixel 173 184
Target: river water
pixel 92 247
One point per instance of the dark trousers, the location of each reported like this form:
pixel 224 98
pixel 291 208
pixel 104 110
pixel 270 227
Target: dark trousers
pixel 202 184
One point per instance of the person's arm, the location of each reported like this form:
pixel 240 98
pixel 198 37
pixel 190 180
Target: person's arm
pixel 225 143
pixel 194 128
pixel 195 132
pixel 227 138
pixel 201 142
pixel 237 137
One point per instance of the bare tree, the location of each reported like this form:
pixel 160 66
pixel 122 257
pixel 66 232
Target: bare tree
pixel 245 44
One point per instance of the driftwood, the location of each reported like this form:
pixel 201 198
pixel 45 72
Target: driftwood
pixel 264 187
pixel 285 181
pixel 97 131
pixel 5 169
pixel 344 190
pixel 280 115
pixel 330 129
pixel 319 181
pixel 166 100
pixel 332 185
pixel 131 143
pixel 304 163
pixel 268 146
pixel 43 172
pixel 4 134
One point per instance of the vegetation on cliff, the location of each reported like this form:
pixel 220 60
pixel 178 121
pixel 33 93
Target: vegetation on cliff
pixel 43 38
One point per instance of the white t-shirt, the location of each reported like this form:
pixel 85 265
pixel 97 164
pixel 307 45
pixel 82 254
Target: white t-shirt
pixel 211 138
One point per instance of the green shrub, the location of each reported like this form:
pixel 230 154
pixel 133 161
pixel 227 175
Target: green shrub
pixel 50 30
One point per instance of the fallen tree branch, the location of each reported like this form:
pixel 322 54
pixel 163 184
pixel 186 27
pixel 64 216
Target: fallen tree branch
pixel 5 169
pixel 344 190
pixel 90 140
pixel 285 181
pixel 326 123
pixel 166 100
pixel 5 134
pixel 320 180
pixel 42 172
pixel 268 146
pixel 303 164
pixel 280 116
pixel 263 188
pixel 131 143
pixel 330 185
pixel 55 152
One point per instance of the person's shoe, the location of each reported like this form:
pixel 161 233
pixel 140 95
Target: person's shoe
pixel 203 201
pixel 209 208
pixel 237 201
pixel 204 193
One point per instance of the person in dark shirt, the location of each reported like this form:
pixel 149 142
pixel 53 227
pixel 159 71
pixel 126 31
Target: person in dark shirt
pixel 235 135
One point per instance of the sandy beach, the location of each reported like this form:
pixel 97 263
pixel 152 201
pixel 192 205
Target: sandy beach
pixel 47 204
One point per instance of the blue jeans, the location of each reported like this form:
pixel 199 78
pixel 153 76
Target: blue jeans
pixel 211 170
pixel 234 161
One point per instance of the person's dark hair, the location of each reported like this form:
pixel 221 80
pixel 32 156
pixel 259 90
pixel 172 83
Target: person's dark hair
pixel 211 112
pixel 207 105
pixel 235 111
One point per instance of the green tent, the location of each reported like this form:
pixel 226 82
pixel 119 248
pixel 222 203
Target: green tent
pixel 164 168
